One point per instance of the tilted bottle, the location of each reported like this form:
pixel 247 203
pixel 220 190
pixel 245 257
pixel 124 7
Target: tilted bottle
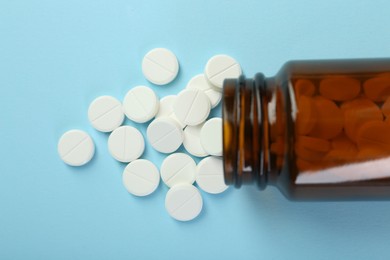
pixel 318 130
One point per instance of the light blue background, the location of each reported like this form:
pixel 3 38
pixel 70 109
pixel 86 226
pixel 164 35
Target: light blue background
pixel 57 56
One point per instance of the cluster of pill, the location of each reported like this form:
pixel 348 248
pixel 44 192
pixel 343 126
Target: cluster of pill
pixel 341 120
pixel 175 120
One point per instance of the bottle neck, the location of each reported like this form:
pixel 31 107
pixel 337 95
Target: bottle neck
pixel 246 131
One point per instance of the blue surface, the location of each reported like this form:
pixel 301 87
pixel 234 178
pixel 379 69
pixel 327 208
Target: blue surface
pixel 57 56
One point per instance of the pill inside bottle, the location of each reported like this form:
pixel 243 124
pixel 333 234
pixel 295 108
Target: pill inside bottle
pixel 317 130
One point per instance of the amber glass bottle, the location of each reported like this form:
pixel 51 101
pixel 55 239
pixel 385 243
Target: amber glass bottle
pixel 318 130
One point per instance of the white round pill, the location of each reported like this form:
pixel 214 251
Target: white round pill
pixel 192 107
pixel 191 141
pixel 183 202
pixel 141 104
pixel 211 136
pixel 166 109
pixel 209 176
pixel 221 67
pixel 105 113
pixel 178 168
pixel 126 144
pixel 141 177
pixel 200 82
pixel 76 148
pixel 165 135
pixel 160 66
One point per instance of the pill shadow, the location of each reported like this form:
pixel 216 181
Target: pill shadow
pixel 345 217
pixel 156 195
pixel 208 199
pixel 86 168
pixel 175 82
pixel 199 219
pixel 220 196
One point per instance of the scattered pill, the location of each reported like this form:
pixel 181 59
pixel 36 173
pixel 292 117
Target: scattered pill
pixel 221 67
pixel 160 66
pixel 141 104
pixel 306 117
pixel 304 87
pixel 211 136
pixel 338 122
pixel 126 144
pixel 165 135
pixel 76 148
pixel 191 141
pixel 192 107
pixel 188 110
pixel 183 202
pixel 141 177
pixel 166 109
pixel 200 82
pixel 340 88
pixel 377 88
pixel 178 168
pixel 329 121
pixel 209 175
pixel 105 113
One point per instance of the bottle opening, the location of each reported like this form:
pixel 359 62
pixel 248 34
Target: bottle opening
pixel 243 132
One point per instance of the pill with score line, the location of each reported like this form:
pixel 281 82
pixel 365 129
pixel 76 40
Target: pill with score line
pixel 141 177
pixel 183 202
pixel 178 168
pixel 200 82
pixel 221 67
pixel 192 107
pixel 160 66
pixel 126 144
pixel 191 141
pixel 105 113
pixel 141 104
pixel 209 175
pixel 166 109
pixel 76 147
pixel 211 136
pixel 165 135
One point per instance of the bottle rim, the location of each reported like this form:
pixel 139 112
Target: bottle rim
pixel 243 130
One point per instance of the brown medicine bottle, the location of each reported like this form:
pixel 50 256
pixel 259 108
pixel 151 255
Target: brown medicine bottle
pixel 318 130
